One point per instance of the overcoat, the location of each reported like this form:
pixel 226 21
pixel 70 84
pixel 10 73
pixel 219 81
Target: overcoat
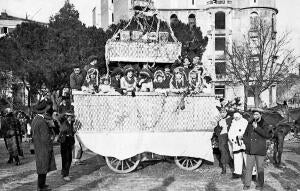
pixel 43 144
pixel 255 139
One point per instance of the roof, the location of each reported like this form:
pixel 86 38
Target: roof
pixel 5 16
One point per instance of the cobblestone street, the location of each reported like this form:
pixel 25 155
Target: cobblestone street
pixel 150 176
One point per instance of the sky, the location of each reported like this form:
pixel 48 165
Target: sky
pixel 287 19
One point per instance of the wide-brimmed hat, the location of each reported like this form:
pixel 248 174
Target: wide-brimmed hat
pixel 128 68
pixel 159 73
pixel 92 58
pixel 42 107
pixel 117 71
pixel 146 72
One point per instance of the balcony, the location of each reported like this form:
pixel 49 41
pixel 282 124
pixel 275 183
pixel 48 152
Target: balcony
pixel 218 3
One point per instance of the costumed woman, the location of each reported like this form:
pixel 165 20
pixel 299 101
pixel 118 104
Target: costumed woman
pixel 160 83
pixel 91 83
pixel 178 83
pixel 145 83
pixel 128 82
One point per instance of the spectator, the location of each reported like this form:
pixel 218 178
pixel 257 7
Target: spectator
pixel 222 132
pixel 255 140
pixel 43 137
pixel 235 136
pixel 66 140
pixel 76 79
pixel 195 81
pixel 65 105
pixel 11 129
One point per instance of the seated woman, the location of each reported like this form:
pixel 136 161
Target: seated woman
pixel 104 86
pixel 128 82
pixel 178 83
pixel 207 85
pixel 195 81
pixel 145 83
pixel 91 83
pixel 160 82
pixel 115 82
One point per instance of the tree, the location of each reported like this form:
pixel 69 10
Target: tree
pixel 260 59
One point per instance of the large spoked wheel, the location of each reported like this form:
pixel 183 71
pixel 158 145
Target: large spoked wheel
pixel 188 163
pixel 123 166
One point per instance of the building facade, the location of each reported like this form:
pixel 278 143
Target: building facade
pixel 222 21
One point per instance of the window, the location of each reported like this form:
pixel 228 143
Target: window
pixel 173 18
pixel 220 68
pixel 220 20
pixel 192 20
pixel 220 44
pixel 5 30
pixel 112 17
pixel 220 91
pixel 193 2
pixel 254 20
pixel 112 1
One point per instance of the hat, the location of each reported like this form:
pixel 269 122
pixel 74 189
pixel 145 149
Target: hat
pixel 208 79
pixel 117 71
pixel 237 115
pixel 42 107
pixel 128 68
pixel 69 113
pixel 8 110
pixel 221 99
pixel 159 73
pixel 92 58
pixel 146 72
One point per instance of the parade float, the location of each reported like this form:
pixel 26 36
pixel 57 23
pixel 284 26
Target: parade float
pixel 127 130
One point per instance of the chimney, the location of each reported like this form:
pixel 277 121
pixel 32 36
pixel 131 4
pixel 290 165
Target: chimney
pixel 4 15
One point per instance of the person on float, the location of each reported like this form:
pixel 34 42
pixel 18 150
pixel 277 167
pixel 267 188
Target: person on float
pixel 144 82
pixel 128 82
pixel 186 66
pixel 92 63
pixel 160 82
pixel 91 82
pixel 207 85
pixel 76 79
pixel 221 132
pixel 178 83
pixel 168 74
pixel 116 79
pixel 235 136
pixel 11 131
pixel 105 86
pixel 195 81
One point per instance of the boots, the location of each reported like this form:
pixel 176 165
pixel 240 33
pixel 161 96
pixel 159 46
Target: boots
pixel 223 169
pixel 10 160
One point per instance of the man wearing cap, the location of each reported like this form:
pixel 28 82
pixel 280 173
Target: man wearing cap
pixel 66 140
pixel 255 137
pixel 43 137
pixel 235 136
pixel 76 79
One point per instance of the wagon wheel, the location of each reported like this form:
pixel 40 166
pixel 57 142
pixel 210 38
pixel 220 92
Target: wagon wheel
pixel 123 166
pixel 188 163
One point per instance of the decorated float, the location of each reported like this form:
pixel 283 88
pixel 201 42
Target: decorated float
pixel 127 130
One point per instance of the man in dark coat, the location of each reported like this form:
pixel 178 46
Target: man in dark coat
pixel 77 79
pixel 42 135
pixel 222 133
pixel 255 137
